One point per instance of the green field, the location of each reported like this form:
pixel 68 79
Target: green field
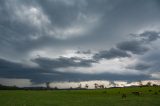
pixel 105 97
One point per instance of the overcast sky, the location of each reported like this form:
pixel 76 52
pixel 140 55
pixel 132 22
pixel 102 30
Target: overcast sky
pixel 78 40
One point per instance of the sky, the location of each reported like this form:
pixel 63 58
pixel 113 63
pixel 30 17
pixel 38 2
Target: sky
pixel 79 40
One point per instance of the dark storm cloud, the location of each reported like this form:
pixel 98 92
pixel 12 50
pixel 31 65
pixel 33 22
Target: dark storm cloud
pixel 153 59
pixel 4 64
pixel 150 36
pixel 16 70
pixel 134 47
pixel 63 62
pixel 41 75
pixel 149 64
pixel 35 74
pixel 17 35
pixel 139 46
pixel 62 13
pixel 140 66
pixel 112 53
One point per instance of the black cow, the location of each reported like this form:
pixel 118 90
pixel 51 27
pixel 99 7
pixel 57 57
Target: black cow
pixel 137 93
pixel 124 96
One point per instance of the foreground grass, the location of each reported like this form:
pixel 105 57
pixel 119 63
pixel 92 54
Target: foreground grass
pixel 107 97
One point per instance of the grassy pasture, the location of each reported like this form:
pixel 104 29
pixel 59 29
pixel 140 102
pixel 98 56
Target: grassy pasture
pixel 105 97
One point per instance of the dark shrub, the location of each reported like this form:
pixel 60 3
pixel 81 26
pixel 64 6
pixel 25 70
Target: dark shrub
pixel 156 93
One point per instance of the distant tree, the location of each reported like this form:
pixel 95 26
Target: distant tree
pixel 55 87
pixel 86 86
pixel 101 86
pixel 110 83
pixel 140 83
pixel 47 85
pixel 155 85
pixel 14 86
pixel 96 85
pixel 148 84
pixel 80 86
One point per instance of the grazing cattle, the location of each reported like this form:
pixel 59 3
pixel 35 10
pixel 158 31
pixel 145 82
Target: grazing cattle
pixel 124 96
pixel 150 90
pixel 137 93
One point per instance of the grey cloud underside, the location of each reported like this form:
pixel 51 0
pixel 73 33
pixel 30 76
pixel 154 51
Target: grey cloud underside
pixel 139 46
pixel 150 36
pixel 41 75
pixel 122 49
pixel 46 70
pixel 47 66
pixel 134 47
pixel 112 53
pixel 63 62
pixel 149 63
pixel 152 59
pixel 140 66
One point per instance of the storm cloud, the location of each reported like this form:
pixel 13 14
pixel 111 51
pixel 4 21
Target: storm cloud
pixel 63 62
pixel 55 40
pixel 112 53
pixel 134 47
